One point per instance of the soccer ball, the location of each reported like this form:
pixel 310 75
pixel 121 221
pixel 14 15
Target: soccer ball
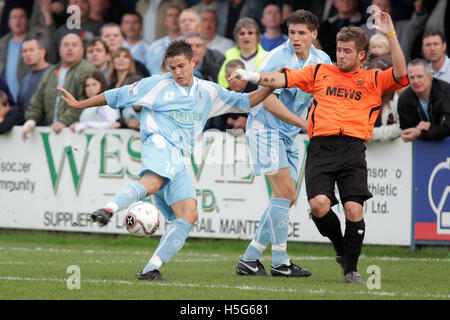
pixel 142 219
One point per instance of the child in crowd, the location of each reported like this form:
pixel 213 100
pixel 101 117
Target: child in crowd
pixel 379 50
pixel 102 117
pixel 9 115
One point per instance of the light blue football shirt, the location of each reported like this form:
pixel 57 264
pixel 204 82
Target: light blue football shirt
pixel 294 99
pixel 173 114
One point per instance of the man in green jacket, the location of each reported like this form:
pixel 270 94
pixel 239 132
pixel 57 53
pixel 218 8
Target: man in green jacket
pixel 46 108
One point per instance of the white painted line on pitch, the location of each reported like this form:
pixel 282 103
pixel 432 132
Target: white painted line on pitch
pixel 129 261
pixel 319 291
pixel 220 256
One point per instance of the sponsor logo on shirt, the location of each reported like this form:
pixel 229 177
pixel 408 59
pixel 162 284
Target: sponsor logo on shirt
pixel 133 89
pixel 185 117
pixel 344 93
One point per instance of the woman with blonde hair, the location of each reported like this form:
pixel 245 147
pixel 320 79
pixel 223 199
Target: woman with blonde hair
pixel 121 66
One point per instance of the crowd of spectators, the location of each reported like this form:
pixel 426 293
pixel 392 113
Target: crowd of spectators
pixel 89 46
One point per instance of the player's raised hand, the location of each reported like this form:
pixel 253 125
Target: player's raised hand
pixel 68 98
pixel 383 23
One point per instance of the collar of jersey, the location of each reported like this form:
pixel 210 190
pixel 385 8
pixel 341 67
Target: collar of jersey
pixel 295 58
pixel 183 90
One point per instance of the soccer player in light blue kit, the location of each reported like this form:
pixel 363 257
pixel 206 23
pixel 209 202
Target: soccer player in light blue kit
pixel 274 152
pixel 176 107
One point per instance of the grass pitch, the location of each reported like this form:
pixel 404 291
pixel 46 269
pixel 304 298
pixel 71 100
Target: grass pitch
pixel 35 265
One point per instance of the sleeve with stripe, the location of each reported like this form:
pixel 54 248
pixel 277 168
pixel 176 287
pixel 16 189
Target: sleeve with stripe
pixel 303 78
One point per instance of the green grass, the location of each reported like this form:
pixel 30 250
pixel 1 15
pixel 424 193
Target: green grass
pixel 33 266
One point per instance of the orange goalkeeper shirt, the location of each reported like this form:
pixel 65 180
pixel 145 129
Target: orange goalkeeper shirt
pixel 344 103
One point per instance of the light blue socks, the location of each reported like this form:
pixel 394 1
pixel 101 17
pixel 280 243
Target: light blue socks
pixel 126 196
pixel 273 228
pixel 171 242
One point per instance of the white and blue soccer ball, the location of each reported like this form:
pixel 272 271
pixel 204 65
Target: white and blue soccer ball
pixel 142 219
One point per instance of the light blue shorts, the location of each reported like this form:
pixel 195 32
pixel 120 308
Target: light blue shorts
pixel 167 162
pixel 270 151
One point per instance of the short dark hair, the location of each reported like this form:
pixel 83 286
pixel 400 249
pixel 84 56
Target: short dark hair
pixel 16 7
pixel 38 40
pixel 235 63
pixel 133 13
pixel 93 42
pixel 355 34
pixel 430 33
pixel 304 17
pixel 178 47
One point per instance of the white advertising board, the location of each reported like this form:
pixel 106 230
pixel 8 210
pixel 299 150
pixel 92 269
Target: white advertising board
pixel 54 181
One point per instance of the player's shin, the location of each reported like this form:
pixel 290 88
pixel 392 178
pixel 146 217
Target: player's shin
pixel 353 240
pixel 329 226
pixel 279 228
pixel 260 240
pixel 171 242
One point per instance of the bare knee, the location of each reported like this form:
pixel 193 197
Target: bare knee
pixel 186 210
pixel 152 183
pixel 353 211
pixel 320 205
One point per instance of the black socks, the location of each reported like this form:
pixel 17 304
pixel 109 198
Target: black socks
pixel 330 227
pixel 353 240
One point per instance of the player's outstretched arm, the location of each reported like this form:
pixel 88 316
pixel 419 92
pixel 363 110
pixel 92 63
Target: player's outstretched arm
pixel 267 79
pixel 384 24
pixel 98 100
pixel 259 95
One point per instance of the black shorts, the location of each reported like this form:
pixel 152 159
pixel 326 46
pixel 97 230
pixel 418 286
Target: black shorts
pixel 341 160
